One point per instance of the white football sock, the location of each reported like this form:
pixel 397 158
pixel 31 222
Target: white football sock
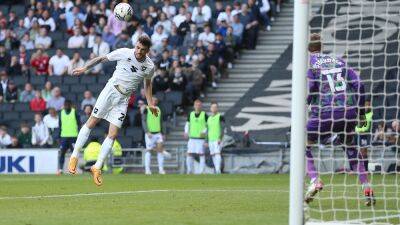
pixel 81 140
pixel 217 163
pixel 147 161
pixel 189 164
pixel 105 149
pixel 202 164
pixel 160 159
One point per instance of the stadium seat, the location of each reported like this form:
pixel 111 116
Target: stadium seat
pixel 18 9
pixel 86 79
pixel 27 115
pixel 98 132
pixel 131 115
pixel 103 79
pixel 6 107
pixel 4 9
pixel 135 133
pixel 14 116
pixel 55 80
pixel 20 81
pixel 109 68
pixel 56 36
pixel 21 107
pixel 103 124
pixel 96 87
pixel 70 96
pixel 175 97
pixel 85 53
pixel 38 81
pixel 160 96
pixel 167 109
pixel 78 88
pixel 125 142
pixel 15 123
pixel 70 80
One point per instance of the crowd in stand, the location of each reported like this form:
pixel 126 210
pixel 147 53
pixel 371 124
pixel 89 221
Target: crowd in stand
pixel 194 45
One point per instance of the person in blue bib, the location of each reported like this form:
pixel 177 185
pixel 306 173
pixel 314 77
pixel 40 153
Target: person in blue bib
pixel 215 133
pixel 195 131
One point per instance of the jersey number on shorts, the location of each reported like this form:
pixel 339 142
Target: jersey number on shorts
pixel 335 85
pixel 121 118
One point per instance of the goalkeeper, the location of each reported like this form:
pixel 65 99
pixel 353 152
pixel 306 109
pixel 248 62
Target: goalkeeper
pixel 336 100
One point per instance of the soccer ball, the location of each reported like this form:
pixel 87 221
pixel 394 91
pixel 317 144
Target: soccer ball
pixel 123 11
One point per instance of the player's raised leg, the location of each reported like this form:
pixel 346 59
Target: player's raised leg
pixel 83 135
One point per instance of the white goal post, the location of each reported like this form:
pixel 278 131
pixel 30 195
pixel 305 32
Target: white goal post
pixel 366 35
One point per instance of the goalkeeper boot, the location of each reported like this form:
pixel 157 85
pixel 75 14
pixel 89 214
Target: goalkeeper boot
pixel 369 197
pixel 98 180
pixel 73 162
pixel 313 189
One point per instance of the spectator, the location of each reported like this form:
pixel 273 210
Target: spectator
pixel 25 136
pixel 5 57
pixel 168 9
pixel 250 27
pixel 225 16
pixel 103 9
pixel 58 64
pixel 77 40
pixel 12 92
pixel 158 36
pixel 264 9
pixel 236 8
pixel 43 40
pixel 201 14
pixel 23 59
pixel 184 26
pixel 14 143
pixel 12 20
pixel 38 104
pixel 237 28
pixel 166 61
pixel 15 68
pixel 191 37
pixel 93 16
pixel 174 39
pixel 88 99
pixel 379 135
pixel 161 81
pixel 116 26
pixel 34 32
pixel 196 81
pixel 71 15
pixel 123 41
pixel 40 133
pixel 27 94
pixel 20 30
pixel 51 121
pixel 47 21
pixel 5 138
pixel 97 69
pixel 56 101
pixel 181 17
pixel 178 80
pixel 231 48
pixel 30 17
pixel 90 38
pixel 100 47
pixel 46 91
pixel 207 36
pixel 76 62
pixel 132 26
pixel 40 62
pixel 27 42
pixel 4 82
pixel 190 57
pixel 222 28
pixel 148 27
pixel 87 111
pixel 57 13
pixel 78 25
pixel 138 33
pixel 9 41
pixel 108 36
pixel 167 25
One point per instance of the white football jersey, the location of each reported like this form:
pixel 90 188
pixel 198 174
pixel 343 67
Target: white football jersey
pixel 129 72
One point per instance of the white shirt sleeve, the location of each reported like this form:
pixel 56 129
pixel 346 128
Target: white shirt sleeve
pixel 118 54
pixel 150 74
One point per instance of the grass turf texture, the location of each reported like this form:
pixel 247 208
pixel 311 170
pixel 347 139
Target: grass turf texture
pixel 181 199
pixel 189 206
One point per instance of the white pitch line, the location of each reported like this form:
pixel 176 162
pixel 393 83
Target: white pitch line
pixel 135 192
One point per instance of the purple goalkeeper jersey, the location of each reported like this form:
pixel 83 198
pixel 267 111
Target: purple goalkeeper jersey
pixel 333 86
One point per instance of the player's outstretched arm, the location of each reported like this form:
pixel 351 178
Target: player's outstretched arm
pixel 91 63
pixel 149 96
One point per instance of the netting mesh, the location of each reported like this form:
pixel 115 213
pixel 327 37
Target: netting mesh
pixel 365 34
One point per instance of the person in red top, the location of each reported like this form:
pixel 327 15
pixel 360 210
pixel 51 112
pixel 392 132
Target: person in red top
pixel 40 62
pixel 38 104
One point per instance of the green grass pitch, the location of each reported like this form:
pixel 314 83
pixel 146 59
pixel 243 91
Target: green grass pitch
pixel 181 200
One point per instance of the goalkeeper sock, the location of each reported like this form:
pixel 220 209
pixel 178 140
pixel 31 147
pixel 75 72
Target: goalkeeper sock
pixel 81 140
pixel 105 149
pixel 355 160
pixel 311 171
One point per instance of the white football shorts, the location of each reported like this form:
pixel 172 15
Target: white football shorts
pixel 196 146
pixel 152 142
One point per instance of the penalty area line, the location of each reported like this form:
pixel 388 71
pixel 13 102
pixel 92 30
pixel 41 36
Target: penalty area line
pixel 135 192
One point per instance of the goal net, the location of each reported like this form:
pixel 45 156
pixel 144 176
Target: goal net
pixel 365 35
